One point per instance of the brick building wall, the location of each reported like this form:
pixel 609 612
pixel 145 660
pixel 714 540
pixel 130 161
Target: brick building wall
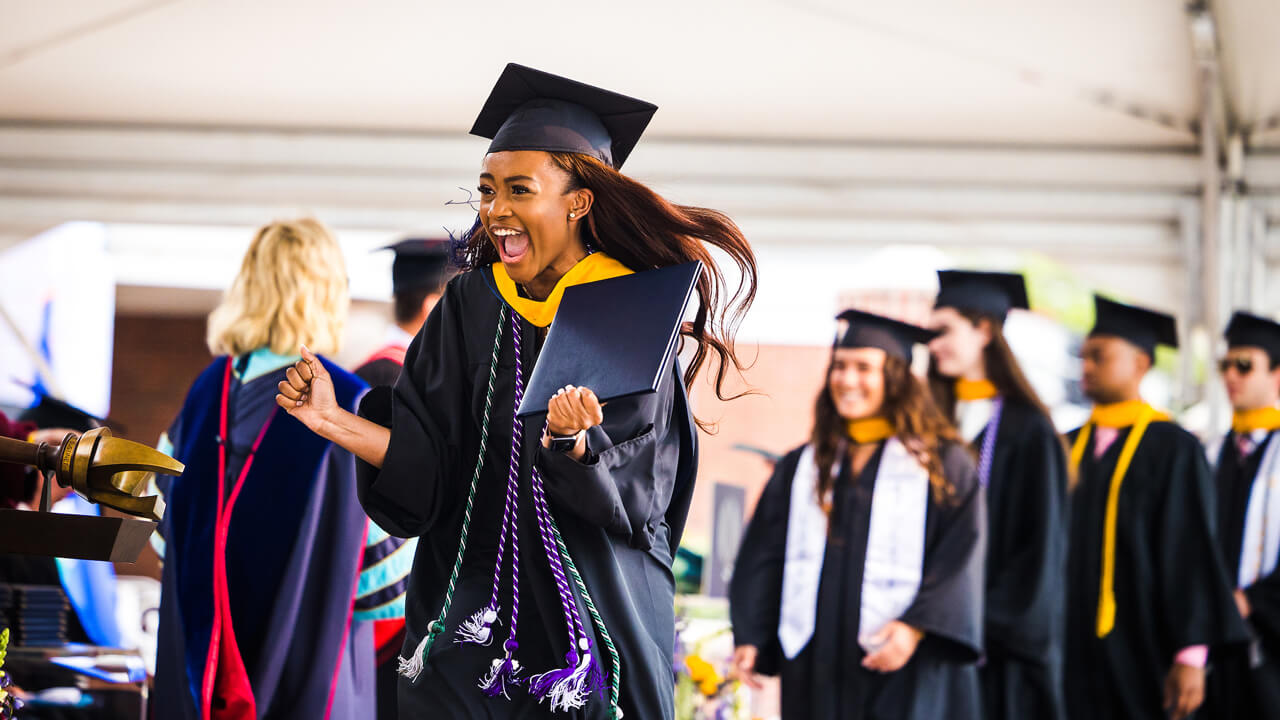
pixel 156 360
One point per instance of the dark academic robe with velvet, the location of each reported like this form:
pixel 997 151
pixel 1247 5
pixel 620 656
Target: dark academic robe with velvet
pixel 1171 588
pixel 293 547
pixel 621 514
pixel 1245 682
pixel 826 679
pixel 1026 566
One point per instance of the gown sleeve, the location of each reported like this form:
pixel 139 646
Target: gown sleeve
pixel 1026 597
pixel 626 481
pixel 1264 604
pixel 948 605
pixel 429 416
pixel 755 590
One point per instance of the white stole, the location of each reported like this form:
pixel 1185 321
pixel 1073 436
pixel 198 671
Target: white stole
pixel 893 564
pixel 972 417
pixel 802 567
pixel 1261 542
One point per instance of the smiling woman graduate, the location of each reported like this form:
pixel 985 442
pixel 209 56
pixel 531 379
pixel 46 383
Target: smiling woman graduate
pixel 859 578
pixel 547 576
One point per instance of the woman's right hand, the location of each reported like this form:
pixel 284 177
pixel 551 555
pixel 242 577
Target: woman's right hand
pixel 744 666
pixel 307 392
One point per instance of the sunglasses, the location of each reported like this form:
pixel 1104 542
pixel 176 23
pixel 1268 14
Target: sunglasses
pixel 1243 365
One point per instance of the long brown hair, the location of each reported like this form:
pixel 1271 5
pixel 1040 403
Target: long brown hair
pixel 1001 367
pixel 921 427
pixel 644 231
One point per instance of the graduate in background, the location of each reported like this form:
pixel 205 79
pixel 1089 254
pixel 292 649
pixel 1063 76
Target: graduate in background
pixel 1022 464
pixel 1245 682
pixel 1147 592
pixel 859 578
pixel 611 485
pixel 418 275
pixel 263 537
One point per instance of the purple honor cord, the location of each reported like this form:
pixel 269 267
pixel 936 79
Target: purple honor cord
pixel 564 688
pixel 988 452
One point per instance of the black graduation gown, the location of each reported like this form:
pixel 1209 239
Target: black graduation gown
pixel 826 679
pixel 621 515
pixel 1236 689
pixel 1026 565
pixel 1171 589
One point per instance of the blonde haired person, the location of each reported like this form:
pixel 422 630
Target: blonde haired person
pixel 264 537
pixel 291 291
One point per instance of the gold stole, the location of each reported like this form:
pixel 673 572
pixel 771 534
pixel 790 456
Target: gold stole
pixel 596 266
pixel 869 430
pixel 1139 415
pixel 1244 422
pixel 970 390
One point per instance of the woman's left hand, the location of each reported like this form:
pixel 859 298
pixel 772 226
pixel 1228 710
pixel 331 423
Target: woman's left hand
pixel 572 410
pixel 897 643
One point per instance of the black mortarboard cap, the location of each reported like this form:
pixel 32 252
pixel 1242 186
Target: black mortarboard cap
pixel 419 263
pixel 534 110
pixel 895 337
pixel 51 412
pixel 989 293
pixel 1248 330
pixel 615 337
pixel 1140 326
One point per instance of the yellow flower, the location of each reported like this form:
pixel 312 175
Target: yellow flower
pixel 699 669
pixel 704 674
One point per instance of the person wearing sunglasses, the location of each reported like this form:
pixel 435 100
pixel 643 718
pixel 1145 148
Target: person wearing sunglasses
pixel 1147 592
pixel 1246 680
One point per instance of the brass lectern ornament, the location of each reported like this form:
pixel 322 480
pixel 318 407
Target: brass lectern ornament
pixel 102 469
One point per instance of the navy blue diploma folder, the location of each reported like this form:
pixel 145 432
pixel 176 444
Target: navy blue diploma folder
pixel 613 336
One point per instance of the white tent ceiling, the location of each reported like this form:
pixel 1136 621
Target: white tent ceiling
pixel 1067 126
pixel 991 71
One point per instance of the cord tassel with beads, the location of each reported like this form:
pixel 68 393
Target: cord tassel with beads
pixel 477 629
pixel 503 674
